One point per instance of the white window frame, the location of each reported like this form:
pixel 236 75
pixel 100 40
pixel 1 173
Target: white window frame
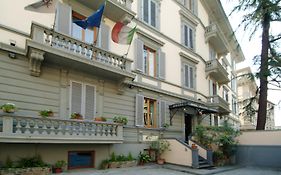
pixel 189 79
pixel 225 94
pixel 149 12
pixel 83 96
pixel 188 26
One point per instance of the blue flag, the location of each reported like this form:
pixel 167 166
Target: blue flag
pixel 93 20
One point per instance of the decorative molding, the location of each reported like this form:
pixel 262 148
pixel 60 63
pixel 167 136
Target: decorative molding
pixel 36 57
pixel 150 37
pixel 188 17
pixel 122 84
pixel 185 56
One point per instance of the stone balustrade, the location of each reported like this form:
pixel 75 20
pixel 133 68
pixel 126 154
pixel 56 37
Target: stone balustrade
pixel 46 36
pixel 15 128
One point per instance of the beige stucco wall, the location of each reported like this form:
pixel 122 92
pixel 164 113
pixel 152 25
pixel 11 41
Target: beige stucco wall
pixel 176 149
pixel 260 138
pixel 51 153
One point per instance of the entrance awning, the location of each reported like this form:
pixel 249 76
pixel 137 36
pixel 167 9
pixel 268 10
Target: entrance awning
pixel 200 107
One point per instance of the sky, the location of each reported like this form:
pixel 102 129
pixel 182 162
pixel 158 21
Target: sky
pixel 251 48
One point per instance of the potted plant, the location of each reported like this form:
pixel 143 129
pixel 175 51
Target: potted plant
pixel 8 107
pixel 76 115
pixel 46 113
pixel 58 166
pixel 143 158
pixel 100 119
pixel 120 119
pixel 161 146
pixel 165 125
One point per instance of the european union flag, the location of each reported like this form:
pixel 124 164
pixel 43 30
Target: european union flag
pixel 93 20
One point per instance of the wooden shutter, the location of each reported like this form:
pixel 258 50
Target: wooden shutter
pixel 63 18
pixel 139 110
pixel 104 35
pixel 139 55
pixel 76 97
pixel 161 113
pixel 90 102
pixel 161 64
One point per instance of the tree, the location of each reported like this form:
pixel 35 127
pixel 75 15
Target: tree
pixel 260 14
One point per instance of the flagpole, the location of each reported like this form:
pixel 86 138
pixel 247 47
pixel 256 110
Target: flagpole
pixel 126 54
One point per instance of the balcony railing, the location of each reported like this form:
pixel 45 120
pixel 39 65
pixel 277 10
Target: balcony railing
pixel 215 37
pixel 52 130
pixel 220 103
pixel 116 10
pixel 71 45
pixel 217 71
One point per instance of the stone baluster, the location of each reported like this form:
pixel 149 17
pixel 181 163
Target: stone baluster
pixel 27 127
pixel 36 127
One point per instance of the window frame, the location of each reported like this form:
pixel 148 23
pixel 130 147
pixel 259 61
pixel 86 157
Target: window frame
pixel 225 94
pixel 188 65
pixel 149 10
pixel 83 98
pixel 190 43
pixel 146 62
pixel 155 116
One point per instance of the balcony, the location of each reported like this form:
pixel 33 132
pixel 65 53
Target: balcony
pixel 219 103
pixel 217 71
pixel 214 36
pixel 63 50
pixel 19 129
pixel 116 10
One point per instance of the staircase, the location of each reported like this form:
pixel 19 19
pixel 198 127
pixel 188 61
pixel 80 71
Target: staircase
pixel 181 153
pixel 203 163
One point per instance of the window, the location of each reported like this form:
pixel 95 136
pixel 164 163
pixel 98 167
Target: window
pixel 212 53
pixel 88 35
pixel 188 36
pixel 234 105
pixel 150 61
pixel 189 4
pixel 81 159
pixel 83 99
pixel 213 88
pixel 189 76
pixel 225 94
pixel 149 113
pixel 233 83
pixel 149 12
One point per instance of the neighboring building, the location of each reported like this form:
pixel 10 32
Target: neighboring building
pixel 247 92
pixel 179 71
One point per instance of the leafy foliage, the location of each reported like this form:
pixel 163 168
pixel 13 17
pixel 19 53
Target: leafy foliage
pixel 120 119
pixel 222 136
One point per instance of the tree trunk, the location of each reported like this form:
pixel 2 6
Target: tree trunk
pixel 261 119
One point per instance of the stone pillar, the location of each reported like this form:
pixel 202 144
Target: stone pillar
pixel 7 125
pixel 210 157
pixel 195 158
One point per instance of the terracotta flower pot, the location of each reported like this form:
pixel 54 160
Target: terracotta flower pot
pixel 160 161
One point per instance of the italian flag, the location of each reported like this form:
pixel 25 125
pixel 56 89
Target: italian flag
pixel 122 34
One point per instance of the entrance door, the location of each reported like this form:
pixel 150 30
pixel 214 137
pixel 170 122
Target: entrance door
pixel 188 125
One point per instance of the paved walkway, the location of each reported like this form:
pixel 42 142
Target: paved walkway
pixel 159 170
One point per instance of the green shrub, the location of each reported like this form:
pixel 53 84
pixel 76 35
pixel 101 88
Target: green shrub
pixel 27 162
pixel 130 157
pixel 144 158
pixel 46 113
pixel 112 157
pixel 120 119
pixel 121 158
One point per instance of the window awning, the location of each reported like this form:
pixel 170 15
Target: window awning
pixel 200 107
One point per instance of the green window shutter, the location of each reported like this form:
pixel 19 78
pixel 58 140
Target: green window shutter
pixel 76 97
pixel 161 113
pixel 139 110
pixel 139 55
pixel 90 102
pixel 63 18
pixel 161 64
pixel 104 35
